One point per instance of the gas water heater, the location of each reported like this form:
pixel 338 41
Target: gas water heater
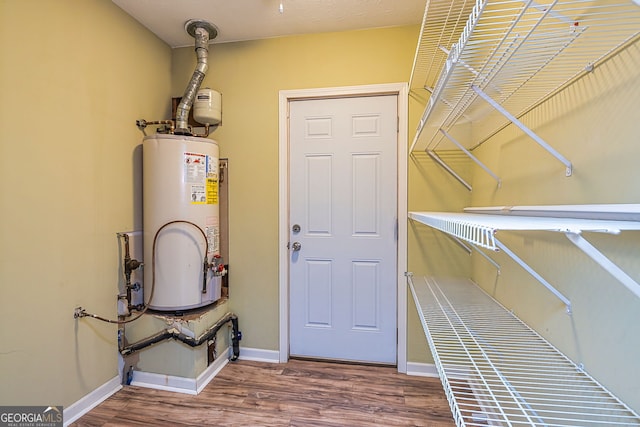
pixel 181 221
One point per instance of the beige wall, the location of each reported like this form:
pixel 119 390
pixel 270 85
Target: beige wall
pixel 250 76
pixel 596 124
pixel 74 76
pixel 74 81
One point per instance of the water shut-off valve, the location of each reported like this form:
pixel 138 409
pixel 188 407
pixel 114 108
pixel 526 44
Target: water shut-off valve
pixel 130 265
pixel 217 266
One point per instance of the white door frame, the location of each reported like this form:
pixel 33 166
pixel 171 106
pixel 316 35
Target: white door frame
pixel 286 96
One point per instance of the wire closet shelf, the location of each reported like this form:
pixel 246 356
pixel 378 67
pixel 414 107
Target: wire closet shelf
pixel 497 371
pixel 511 52
pixel 480 229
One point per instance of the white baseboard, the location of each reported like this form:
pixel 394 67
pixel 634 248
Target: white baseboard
pixel 164 382
pixel 422 369
pixel 212 370
pixel 273 356
pixel 181 384
pixel 91 400
pixel 259 355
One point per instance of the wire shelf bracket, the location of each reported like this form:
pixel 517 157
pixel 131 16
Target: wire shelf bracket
pixel 448 169
pixel 620 216
pixel 604 262
pixel 472 157
pixel 525 129
pixel 470 249
pixel 483 236
pixel 480 228
pixel 512 54
pixel 535 275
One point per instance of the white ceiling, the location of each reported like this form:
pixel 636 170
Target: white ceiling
pixel 238 20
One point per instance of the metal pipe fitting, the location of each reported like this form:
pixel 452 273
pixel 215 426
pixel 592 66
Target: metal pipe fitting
pixel 236 336
pixel 203 32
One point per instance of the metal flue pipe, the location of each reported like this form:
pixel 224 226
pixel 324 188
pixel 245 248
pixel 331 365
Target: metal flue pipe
pixel 203 32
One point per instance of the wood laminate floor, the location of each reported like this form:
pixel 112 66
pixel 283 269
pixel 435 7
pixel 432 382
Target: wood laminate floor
pixel 297 393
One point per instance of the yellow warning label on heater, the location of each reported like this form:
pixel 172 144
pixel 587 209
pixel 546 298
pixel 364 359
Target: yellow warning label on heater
pixel 212 191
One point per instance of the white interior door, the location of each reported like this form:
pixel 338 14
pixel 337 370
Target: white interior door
pixel 343 221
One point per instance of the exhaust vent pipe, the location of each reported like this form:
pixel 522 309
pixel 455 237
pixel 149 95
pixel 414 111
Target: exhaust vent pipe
pixel 203 32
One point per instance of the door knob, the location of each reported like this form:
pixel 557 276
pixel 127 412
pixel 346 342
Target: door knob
pixel 296 246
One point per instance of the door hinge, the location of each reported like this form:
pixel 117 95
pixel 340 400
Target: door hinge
pixel 395 231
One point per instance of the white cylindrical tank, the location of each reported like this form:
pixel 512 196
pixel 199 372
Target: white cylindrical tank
pixel 207 107
pixel 180 183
